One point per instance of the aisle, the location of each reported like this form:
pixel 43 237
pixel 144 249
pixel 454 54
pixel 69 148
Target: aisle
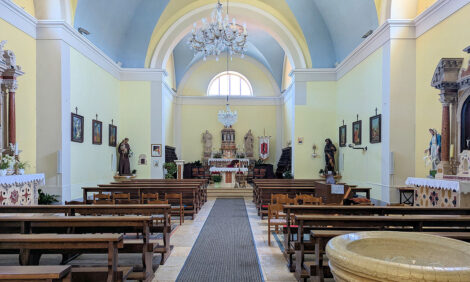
pixel 224 250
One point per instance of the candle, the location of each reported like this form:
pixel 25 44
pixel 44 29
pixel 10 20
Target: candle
pixel 16 149
pixel 451 150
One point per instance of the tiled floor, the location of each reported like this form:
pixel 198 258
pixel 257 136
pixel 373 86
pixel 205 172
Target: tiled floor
pixel 272 262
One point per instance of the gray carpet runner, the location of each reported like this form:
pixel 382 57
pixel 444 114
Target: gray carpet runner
pixel 224 250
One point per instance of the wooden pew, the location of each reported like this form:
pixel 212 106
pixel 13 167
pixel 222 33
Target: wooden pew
pixel 91 224
pixel 33 245
pixel 356 190
pixel 45 273
pixel 414 223
pixel 291 210
pixel 264 195
pixel 190 194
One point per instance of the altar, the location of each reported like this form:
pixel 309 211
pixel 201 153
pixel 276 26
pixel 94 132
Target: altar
pixel 440 193
pixel 228 174
pixel 20 190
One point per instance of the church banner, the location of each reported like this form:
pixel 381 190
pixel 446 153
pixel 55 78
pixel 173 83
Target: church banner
pixel 264 147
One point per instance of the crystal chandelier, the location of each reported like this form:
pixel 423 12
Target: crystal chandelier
pixel 215 36
pixel 227 117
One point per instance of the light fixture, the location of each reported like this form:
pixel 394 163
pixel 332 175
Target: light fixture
pixel 83 31
pixel 212 38
pixel 227 117
pixel 357 148
pixel 367 33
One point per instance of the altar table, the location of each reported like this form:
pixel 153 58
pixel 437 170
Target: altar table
pixel 440 193
pixel 20 190
pixel 228 174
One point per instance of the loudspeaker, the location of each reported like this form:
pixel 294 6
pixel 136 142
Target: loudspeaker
pixel 392 163
pixel 59 162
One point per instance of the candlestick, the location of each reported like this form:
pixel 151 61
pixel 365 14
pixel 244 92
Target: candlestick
pixel 451 150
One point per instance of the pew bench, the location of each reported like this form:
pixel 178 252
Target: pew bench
pixel 46 273
pixel 356 190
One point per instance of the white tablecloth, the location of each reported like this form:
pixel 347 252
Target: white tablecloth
pixel 227 169
pixel 21 179
pixel 227 160
pixel 463 187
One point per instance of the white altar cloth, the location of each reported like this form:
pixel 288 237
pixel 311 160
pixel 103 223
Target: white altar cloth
pixel 228 169
pixel 21 179
pixel 462 187
pixel 214 160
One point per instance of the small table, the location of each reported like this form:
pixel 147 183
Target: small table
pixel 228 178
pixel 407 195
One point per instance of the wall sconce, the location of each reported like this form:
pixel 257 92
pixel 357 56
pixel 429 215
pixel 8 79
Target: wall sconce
pixel 314 147
pixel 357 148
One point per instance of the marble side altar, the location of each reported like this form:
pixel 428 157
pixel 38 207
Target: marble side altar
pixel 440 193
pixel 20 190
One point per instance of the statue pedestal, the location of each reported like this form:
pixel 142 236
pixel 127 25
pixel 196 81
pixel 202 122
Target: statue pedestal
pixel 179 168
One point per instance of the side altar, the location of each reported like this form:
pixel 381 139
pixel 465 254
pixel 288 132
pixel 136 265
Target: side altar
pixel 20 190
pixel 449 151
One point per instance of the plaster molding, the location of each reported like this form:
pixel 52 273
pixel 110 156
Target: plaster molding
pixel 234 101
pixel 138 74
pixel 60 30
pixel 435 14
pixel 18 17
pixel 327 74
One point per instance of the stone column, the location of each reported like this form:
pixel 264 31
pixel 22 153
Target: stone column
pixel 11 85
pixel 445 134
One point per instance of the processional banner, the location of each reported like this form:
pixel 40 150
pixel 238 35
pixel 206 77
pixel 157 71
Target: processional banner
pixel 264 147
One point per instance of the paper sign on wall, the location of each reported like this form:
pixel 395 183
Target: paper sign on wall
pixel 337 189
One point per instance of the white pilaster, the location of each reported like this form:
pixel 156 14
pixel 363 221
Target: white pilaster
pixel 157 124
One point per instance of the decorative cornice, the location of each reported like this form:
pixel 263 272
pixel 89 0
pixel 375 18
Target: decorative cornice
pixel 313 74
pixel 234 101
pixel 135 74
pixel 18 17
pixel 435 14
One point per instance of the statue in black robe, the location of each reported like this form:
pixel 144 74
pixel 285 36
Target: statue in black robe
pixel 124 164
pixel 330 151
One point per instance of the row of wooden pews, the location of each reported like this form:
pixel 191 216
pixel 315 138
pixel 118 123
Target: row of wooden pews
pixel 321 223
pixel 193 191
pixel 80 229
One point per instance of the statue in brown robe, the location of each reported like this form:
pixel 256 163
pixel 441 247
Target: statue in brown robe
pixel 124 164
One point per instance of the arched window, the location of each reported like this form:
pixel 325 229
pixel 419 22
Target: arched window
pixel 229 83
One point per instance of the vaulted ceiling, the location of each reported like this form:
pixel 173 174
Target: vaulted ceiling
pixel 330 29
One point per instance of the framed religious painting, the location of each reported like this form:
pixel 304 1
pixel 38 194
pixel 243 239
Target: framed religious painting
pixel 97 132
pixel 156 150
pixel 357 132
pixel 112 135
pixel 342 136
pixel 375 129
pixel 77 128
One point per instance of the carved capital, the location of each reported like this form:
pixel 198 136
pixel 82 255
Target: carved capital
pixel 448 98
pixel 9 84
pixel 446 74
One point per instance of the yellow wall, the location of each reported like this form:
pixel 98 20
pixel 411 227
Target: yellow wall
pixel 24 48
pixel 360 92
pixel 196 85
pixel 314 122
pixel 195 119
pixel 424 4
pixel 93 91
pixel 27 5
pixel 170 69
pixel 447 39
pixel 287 117
pixel 134 112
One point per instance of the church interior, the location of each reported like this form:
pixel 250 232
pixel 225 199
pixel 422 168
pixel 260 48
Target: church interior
pixel 234 140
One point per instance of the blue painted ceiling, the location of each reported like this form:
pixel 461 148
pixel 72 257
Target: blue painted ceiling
pixel 332 29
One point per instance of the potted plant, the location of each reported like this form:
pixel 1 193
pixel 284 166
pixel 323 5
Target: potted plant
pixel 170 170
pixel 217 155
pixel 46 199
pixel 287 174
pixel 8 164
pixel 217 178
pixel 21 166
pixel 197 163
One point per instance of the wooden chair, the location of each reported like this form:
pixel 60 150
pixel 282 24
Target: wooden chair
pixel 159 202
pixel 121 198
pixel 176 202
pixel 147 197
pixel 102 199
pixel 201 173
pixel 75 203
pixel 304 199
pixel 276 217
pixel 195 172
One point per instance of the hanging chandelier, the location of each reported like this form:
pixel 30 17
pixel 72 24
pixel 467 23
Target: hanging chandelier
pixel 227 117
pixel 212 38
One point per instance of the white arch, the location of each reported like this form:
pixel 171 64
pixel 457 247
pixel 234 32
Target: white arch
pixel 268 22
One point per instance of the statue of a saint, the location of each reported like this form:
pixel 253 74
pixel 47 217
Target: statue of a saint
pixel 249 143
pixel 330 151
pixel 124 164
pixel 434 150
pixel 207 140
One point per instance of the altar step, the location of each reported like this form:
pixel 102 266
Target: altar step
pixel 229 192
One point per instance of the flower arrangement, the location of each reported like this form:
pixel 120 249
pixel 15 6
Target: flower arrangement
pixel 170 170
pixel 216 178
